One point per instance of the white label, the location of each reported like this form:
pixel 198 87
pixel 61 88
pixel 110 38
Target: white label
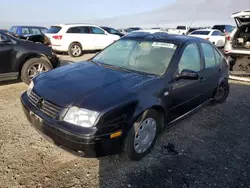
pixel 163 45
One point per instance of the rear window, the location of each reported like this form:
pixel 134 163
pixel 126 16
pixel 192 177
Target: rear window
pixel 200 33
pixel 54 29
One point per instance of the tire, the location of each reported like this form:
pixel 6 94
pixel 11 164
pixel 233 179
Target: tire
pixel 30 65
pixel 222 93
pixel 130 150
pixel 75 50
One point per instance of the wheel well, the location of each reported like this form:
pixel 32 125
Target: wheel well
pixel 75 42
pixel 30 57
pixel 162 113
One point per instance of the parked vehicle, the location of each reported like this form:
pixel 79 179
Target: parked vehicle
pixel 76 38
pixel 130 29
pixel 191 29
pixel 113 31
pixel 27 30
pixel 180 30
pixel 24 59
pixel 122 31
pixel 237 47
pixel 213 35
pixel 122 98
pixel 226 29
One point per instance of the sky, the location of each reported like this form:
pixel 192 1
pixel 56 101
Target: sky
pixel 124 13
pixel 61 11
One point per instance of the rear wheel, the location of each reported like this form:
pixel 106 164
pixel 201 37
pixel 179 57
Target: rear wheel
pixel 221 93
pixel 32 68
pixel 75 50
pixel 142 136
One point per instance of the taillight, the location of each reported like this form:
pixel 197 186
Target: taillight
pixel 228 37
pixel 57 37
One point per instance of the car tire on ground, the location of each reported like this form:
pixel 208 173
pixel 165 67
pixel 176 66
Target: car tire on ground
pixel 75 50
pixel 142 135
pixel 221 93
pixel 32 68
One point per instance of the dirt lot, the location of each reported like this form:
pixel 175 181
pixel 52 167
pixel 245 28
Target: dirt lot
pixel 208 149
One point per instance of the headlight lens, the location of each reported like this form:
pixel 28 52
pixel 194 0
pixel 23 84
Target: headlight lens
pixel 29 90
pixel 81 117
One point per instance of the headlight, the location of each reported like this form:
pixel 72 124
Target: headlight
pixel 81 117
pixel 30 88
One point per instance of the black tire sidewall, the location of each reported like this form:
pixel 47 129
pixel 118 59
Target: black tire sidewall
pixel 129 149
pixel 225 96
pixel 70 46
pixel 24 71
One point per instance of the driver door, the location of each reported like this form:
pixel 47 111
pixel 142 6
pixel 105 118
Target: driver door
pixel 185 93
pixel 6 55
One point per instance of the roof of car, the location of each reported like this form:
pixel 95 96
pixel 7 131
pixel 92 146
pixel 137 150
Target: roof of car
pixel 160 36
pixel 75 24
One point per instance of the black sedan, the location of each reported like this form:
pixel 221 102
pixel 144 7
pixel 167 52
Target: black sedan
pixel 121 99
pixel 112 31
pixel 24 59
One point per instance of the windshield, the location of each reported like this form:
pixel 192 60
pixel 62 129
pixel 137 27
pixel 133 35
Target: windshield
pixel 142 56
pixel 200 33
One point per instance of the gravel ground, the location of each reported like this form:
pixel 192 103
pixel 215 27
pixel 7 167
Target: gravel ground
pixel 208 149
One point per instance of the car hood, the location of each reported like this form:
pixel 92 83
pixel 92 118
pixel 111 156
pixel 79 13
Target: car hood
pixel 85 83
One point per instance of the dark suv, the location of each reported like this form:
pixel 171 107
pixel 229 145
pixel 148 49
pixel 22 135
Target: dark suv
pixel 24 59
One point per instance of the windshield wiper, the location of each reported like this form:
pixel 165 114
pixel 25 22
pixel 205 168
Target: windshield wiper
pixel 116 67
pixel 92 61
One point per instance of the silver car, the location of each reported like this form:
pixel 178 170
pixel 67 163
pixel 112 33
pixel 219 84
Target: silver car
pixel 237 48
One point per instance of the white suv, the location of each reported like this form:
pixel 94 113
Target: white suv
pixel 76 38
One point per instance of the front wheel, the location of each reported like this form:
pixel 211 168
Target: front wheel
pixel 142 136
pixel 32 68
pixel 221 93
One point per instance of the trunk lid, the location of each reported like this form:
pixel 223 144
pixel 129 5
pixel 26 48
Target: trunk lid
pixel 241 18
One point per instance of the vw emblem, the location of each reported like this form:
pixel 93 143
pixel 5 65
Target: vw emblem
pixel 40 103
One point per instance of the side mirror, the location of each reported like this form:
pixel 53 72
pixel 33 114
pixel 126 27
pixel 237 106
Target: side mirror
pixel 188 74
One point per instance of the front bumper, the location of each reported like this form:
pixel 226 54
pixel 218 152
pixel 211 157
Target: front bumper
pixel 81 145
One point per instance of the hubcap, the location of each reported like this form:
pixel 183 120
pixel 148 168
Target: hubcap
pixel 75 50
pixel 145 135
pixel 36 69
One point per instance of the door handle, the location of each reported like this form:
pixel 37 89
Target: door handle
pixel 202 79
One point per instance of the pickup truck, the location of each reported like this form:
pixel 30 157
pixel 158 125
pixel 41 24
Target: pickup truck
pixel 180 30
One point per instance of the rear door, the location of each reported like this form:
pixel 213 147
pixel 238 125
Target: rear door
pixel 211 72
pixel 242 18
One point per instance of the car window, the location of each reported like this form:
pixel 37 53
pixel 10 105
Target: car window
pixel 43 30
pixel 112 31
pixel 74 30
pixel 190 59
pixel 96 30
pixel 143 56
pixel 54 29
pixel 25 31
pixel 217 33
pixel 35 31
pixel 217 56
pixel 3 38
pixel 209 55
pixel 200 33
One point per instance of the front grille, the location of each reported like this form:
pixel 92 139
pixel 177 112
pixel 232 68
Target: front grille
pixel 47 107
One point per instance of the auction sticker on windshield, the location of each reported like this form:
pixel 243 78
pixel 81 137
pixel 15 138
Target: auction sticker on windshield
pixel 164 45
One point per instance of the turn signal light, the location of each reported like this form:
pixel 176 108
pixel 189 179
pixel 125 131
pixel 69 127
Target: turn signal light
pixel 116 134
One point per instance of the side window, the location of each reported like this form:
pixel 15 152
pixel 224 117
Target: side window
pixel 74 30
pixel 113 31
pixel 217 33
pixel 190 59
pixel 35 31
pixel 209 55
pixel 3 38
pixel 217 56
pixel 25 31
pixel 96 30
pixel 85 30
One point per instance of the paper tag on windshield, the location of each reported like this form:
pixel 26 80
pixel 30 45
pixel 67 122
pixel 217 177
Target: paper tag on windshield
pixel 163 45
